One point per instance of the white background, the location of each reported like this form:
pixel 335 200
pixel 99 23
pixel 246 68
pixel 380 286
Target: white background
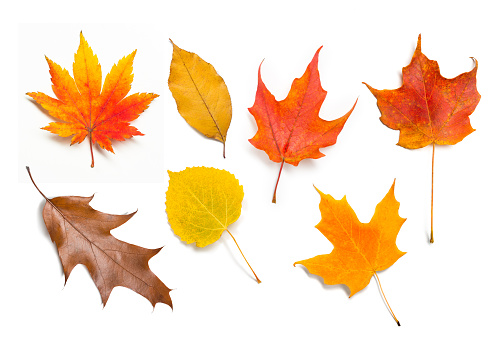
pixel 448 291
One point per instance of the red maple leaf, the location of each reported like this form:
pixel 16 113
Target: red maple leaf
pixel 291 130
pixel 428 108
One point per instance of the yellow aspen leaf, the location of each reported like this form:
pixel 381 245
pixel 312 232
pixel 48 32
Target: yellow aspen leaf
pixel 200 93
pixel 201 203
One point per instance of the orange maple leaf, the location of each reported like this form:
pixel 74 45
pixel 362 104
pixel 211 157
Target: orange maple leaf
pixel 428 108
pixel 360 249
pixel 87 110
pixel 291 130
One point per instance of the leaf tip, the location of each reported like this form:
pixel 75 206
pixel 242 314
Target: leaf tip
pixel 175 47
pixel 155 251
pixel 319 192
pixel 259 69
pixel 476 63
pixel 368 86
pixel 314 62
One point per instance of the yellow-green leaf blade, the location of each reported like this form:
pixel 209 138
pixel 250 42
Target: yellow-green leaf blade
pixel 201 203
pixel 200 93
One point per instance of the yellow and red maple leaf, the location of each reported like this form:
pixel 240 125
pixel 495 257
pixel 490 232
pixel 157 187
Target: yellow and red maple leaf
pixel 85 109
pixel 291 130
pixel 428 108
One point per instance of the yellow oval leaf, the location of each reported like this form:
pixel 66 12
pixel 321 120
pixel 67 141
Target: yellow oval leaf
pixel 202 202
pixel 200 93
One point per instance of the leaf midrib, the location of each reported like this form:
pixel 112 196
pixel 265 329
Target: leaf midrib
pixel 352 241
pixel 224 227
pixel 200 95
pixel 94 244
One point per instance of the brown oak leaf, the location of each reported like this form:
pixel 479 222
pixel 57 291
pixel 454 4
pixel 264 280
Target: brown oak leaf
pixel 82 236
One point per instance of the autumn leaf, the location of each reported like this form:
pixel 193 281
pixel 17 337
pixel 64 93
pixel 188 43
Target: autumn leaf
pixel 200 93
pixel 82 236
pixel 428 108
pixel 86 110
pixel 291 130
pixel 201 203
pixel 360 249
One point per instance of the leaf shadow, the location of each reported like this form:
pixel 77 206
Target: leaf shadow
pixel 214 246
pixel 53 137
pixel 440 149
pixel 233 256
pixel 97 150
pixel 41 223
pixel 45 233
pixel 206 138
pixel 323 284
pixel 427 233
pixel 259 154
pixel 193 246
pixel 199 250
pixel 384 299
pixel 40 108
pixel 309 164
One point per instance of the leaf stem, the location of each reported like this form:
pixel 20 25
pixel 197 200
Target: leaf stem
pixel 431 216
pixel 91 145
pixel 224 149
pixel 34 184
pixel 256 277
pixel 56 208
pixel 387 304
pixel 277 181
